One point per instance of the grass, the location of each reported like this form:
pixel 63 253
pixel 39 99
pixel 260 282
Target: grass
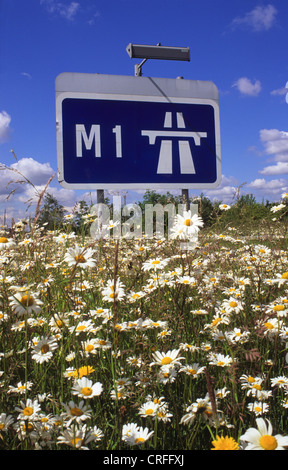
pixel 190 316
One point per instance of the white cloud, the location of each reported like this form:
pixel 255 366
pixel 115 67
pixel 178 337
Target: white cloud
pixel 281 168
pixel 37 173
pixel 280 91
pixel 225 192
pixel 276 147
pixel 26 75
pixel 66 10
pixel 275 143
pixel 5 131
pixel 276 185
pixel 261 18
pixel 246 87
pixel 11 177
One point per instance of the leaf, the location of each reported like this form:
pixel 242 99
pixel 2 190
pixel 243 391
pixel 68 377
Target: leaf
pixel 252 355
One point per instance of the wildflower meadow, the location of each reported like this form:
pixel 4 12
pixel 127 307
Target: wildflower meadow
pixel 136 343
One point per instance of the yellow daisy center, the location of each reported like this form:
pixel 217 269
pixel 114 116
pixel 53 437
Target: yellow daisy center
pixel 81 327
pixel 257 386
pixel 75 441
pixel 80 259
pixel 166 360
pixel 278 308
pixel 76 412
pixel 268 325
pixel 149 411
pixel 268 442
pixel 233 304
pixel 3 240
pixel 139 440
pixel 28 411
pixel 156 261
pixel 284 275
pixel 45 348
pixel 86 391
pixel 27 300
pixel 187 222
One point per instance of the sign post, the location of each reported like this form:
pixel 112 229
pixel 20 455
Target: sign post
pixel 123 132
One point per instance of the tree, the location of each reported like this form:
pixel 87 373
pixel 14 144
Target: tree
pixel 52 213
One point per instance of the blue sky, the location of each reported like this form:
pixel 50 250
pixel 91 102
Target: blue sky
pixel 241 46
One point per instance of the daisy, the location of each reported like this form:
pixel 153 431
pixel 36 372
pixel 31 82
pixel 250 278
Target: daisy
pixel 58 323
pixel 221 393
pixel 220 360
pixel 134 296
pixel 232 305
pixel 281 278
pixel 237 336
pixel 186 225
pixel 25 303
pixel 277 208
pixel 262 438
pixel 272 327
pixel 103 344
pixel 84 388
pixel 80 256
pixel 5 422
pixel 84 326
pixel 128 430
pixel 280 382
pixel 193 370
pixel 169 358
pixel 202 407
pixel 114 290
pixel 119 393
pixel 224 207
pixel 43 350
pixel 74 412
pixel 90 347
pixel 138 436
pixel 154 264
pixel 69 217
pixel 248 381
pixel 20 388
pixel 167 374
pixel 187 280
pixel 258 407
pixel 163 414
pixel 6 243
pixel 74 437
pixel 94 434
pixel 29 410
pixel 148 409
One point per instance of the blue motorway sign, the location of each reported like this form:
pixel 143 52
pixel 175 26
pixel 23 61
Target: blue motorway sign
pixel 108 138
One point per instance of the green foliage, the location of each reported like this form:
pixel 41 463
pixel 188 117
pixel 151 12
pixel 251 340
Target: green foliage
pixel 51 214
